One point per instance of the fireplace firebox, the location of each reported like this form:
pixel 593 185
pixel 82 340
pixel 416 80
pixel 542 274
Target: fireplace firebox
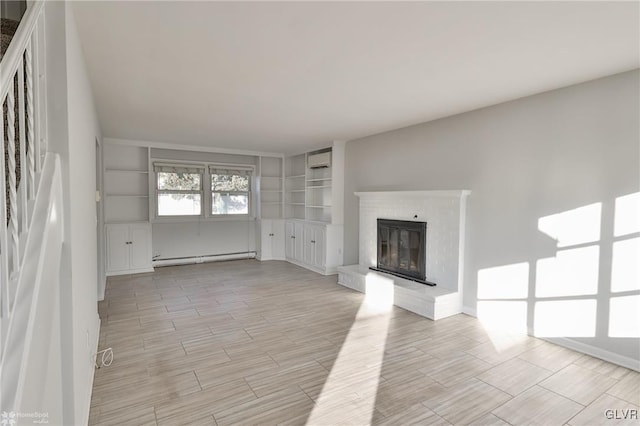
pixel 402 249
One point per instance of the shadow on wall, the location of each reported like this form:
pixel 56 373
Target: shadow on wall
pixel 589 290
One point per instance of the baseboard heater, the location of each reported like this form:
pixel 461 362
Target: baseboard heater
pixel 203 259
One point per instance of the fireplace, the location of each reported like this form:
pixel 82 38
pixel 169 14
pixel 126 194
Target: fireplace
pixel 402 249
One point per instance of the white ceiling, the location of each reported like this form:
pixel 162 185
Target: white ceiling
pixel 286 77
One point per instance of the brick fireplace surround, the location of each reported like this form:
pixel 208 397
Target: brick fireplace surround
pixel 444 212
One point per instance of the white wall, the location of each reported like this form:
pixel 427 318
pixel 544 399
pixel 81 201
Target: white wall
pixel 72 130
pixel 203 237
pixel 83 131
pixel 523 160
pixel 192 239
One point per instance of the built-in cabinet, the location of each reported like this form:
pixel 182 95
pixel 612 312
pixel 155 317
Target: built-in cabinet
pixel 294 241
pixel 313 195
pixel 128 248
pixel 126 209
pixel 313 245
pixel 272 239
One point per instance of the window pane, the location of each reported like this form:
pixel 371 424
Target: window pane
pixel 229 183
pixel 179 181
pixel 229 203
pixel 178 204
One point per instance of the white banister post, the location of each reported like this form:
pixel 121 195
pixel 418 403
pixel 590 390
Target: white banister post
pixel 30 133
pixel 22 140
pixel 13 194
pixel 40 85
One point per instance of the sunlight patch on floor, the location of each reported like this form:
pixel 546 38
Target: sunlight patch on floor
pixel 349 393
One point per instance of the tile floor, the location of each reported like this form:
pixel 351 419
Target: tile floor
pixel 250 342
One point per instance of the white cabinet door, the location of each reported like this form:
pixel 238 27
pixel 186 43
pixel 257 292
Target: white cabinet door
pixel 128 248
pixel 278 240
pixel 309 246
pixel 266 239
pixel 319 247
pixel 117 247
pixel 299 241
pixel 140 246
pixel 290 240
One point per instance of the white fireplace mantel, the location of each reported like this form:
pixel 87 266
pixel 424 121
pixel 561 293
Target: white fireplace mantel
pixel 445 212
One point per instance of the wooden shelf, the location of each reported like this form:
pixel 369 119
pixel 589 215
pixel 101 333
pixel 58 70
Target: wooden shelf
pixel 295 204
pixel 319 207
pixel 295 177
pixel 319 187
pixel 319 180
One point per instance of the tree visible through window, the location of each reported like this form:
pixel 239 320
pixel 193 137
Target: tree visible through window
pixel 230 191
pixel 179 193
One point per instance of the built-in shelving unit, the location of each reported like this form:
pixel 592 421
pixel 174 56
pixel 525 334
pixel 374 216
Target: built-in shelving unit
pixel 295 175
pixel 319 191
pixel 126 183
pixel 310 188
pixel 271 188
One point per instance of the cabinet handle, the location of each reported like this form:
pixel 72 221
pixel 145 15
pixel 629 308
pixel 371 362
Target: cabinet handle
pixel 313 241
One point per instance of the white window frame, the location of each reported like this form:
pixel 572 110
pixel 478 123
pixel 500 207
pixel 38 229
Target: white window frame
pixel 179 168
pixel 230 169
pixel 206 193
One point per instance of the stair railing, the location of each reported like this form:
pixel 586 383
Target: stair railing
pixel 23 136
pixel 30 374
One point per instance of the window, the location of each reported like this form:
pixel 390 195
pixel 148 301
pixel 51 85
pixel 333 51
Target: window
pixel 179 189
pixel 230 191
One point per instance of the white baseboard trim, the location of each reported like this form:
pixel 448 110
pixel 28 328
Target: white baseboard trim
pixel 590 350
pixel 470 311
pixel 203 259
pixel 94 350
pixel 263 259
pixel 595 352
pixel 129 272
pixel 327 271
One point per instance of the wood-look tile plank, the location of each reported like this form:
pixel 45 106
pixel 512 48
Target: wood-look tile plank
pixel 628 388
pixel 194 406
pixel 450 372
pixel 579 384
pixel 550 357
pixel 607 410
pixel 466 402
pixel 416 414
pixel 269 409
pixel 514 376
pixel 538 406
